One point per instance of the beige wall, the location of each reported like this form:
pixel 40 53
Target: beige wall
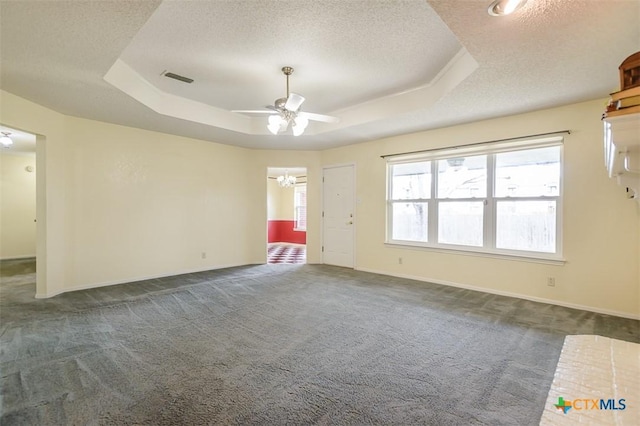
pixel 151 204
pixel 601 227
pixel 121 204
pixel 280 205
pixel 17 206
pixel 118 204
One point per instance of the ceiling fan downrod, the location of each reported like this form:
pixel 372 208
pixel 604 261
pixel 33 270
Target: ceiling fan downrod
pixel 287 71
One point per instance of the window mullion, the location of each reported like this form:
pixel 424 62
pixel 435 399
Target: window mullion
pixel 389 232
pixel 489 210
pixel 432 224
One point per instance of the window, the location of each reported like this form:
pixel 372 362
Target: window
pixel 461 181
pixel 411 190
pixel 300 207
pixel 498 198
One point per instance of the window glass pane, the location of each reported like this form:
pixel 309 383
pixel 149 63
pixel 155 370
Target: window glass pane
pixel 526 225
pixel 528 173
pixel 411 181
pixel 462 177
pixel 300 207
pixel 460 222
pixel 409 221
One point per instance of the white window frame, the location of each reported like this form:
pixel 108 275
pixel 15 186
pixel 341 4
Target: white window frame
pixel 296 227
pixel 490 201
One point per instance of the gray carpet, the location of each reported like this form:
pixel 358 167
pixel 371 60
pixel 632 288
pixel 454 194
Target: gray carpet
pixel 280 344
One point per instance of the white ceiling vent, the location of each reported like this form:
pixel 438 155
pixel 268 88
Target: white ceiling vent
pixel 178 77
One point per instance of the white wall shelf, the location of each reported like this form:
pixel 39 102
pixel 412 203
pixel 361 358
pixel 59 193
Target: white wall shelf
pixel 622 151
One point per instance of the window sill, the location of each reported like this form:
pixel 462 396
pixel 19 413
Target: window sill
pixel 548 260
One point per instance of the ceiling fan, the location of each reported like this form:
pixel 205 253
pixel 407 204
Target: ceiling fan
pixel 286 111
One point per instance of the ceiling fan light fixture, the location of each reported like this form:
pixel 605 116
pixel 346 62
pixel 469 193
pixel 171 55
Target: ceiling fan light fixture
pixel 275 122
pixel 286 111
pixel 5 140
pixel 505 7
pixel 299 125
pixel 273 129
pixel 286 181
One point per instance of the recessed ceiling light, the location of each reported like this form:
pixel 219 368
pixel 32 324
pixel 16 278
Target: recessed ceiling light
pixel 505 7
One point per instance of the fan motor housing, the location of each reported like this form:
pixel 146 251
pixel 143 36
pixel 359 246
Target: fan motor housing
pixel 279 103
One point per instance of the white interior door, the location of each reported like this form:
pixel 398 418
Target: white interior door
pixel 338 196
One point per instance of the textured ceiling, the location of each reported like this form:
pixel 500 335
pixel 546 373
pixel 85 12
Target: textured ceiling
pixel 383 67
pixel 343 52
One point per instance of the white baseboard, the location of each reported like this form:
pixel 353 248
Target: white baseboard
pixel 132 280
pixel 374 271
pixel 507 293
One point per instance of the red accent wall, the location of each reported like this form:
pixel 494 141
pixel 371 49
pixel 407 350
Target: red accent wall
pixel 281 231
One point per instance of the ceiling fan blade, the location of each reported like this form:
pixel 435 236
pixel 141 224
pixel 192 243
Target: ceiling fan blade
pixel 294 101
pixel 319 117
pixel 241 111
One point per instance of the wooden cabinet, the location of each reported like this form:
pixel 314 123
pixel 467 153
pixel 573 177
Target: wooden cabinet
pixel 622 151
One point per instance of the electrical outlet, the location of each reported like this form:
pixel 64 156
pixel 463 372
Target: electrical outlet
pixel 204 254
pixel 400 261
pixel 551 281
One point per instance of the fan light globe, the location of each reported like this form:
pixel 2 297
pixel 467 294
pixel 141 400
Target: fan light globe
pixel 275 121
pixel 299 125
pixel 5 140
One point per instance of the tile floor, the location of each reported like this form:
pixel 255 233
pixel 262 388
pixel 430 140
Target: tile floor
pixel 287 253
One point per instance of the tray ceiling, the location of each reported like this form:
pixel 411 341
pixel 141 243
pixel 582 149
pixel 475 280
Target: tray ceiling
pixel 383 67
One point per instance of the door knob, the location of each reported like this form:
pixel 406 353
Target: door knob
pixel 350 222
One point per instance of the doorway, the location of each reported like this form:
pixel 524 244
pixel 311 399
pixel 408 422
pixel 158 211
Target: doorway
pixel 18 239
pixel 338 215
pixel 286 215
